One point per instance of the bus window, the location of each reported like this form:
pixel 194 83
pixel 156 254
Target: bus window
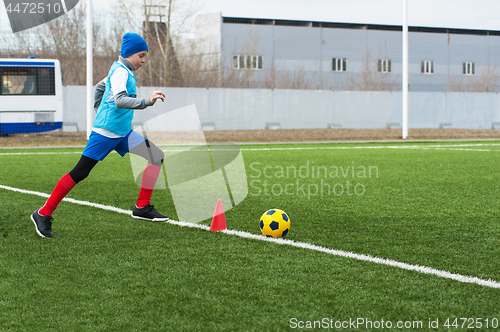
pixel 45 81
pixel 19 81
pixel 28 81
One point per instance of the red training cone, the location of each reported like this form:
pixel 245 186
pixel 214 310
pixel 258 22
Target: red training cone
pixel 219 219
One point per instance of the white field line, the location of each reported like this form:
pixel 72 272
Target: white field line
pixel 36 153
pixel 303 245
pixel 457 147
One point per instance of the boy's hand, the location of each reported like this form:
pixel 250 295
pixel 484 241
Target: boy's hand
pixel 157 95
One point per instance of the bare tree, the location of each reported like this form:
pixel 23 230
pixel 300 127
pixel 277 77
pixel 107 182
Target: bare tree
pixel 186 65
pixel 276 77
pixel 161 24
pixel 242 77
pixel 296 78
pixel 162 67
pixel 487 80
pixel 370 79
pixel 65 39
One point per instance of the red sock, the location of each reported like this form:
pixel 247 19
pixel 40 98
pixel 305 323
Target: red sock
pixel 62 188
pixel 149 178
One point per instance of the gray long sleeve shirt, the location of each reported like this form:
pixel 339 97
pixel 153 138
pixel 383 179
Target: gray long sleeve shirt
pixel 122 100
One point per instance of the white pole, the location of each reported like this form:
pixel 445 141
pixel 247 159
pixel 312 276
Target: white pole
pixel 90 74
pixel 405 69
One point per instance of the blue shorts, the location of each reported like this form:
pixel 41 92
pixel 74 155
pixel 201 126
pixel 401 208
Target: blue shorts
pixel 99 146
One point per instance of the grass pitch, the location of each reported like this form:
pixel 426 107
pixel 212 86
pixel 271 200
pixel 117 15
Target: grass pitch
pixel 428 204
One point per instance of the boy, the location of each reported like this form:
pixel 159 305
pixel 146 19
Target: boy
pixel 112 131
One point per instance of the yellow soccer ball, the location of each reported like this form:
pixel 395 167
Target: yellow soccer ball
pixel 274 223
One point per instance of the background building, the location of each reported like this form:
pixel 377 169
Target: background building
pixel 341 56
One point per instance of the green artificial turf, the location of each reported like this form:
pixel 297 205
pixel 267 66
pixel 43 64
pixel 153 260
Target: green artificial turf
pixel 104 271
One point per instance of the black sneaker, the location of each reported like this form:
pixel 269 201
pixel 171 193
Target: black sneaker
pixel 148 213
pixel 43 224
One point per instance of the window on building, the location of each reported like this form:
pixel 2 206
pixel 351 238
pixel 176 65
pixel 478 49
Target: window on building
pixel 241 61
pixel 236 61
pixel 427 67
pixel 469 68
pixel 256 61
pixel 384 66
pixel 339 64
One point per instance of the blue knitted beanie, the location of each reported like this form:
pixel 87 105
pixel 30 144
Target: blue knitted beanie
pixel 132 43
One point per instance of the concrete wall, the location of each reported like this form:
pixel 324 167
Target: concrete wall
pixel 231 109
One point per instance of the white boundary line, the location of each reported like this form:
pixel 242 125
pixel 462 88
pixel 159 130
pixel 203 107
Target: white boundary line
pixel 408 141
pixel 450 147
pixel 303 245
pixel 36 153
